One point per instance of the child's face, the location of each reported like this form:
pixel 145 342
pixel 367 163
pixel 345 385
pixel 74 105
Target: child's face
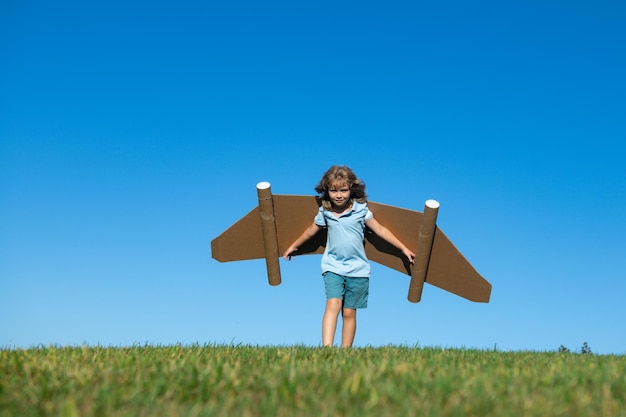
pixel 339 194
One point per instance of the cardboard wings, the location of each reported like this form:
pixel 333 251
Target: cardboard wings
pixel 269 229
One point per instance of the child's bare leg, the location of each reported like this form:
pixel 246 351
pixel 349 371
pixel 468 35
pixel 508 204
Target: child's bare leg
pixel 349 327
pixel 329 322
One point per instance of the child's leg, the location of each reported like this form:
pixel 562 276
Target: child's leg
pixel 349 327
pixel 357 291
pixel 329 322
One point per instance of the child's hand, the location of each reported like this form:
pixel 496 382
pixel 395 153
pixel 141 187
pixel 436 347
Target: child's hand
pixel 410 255
pixel 288 253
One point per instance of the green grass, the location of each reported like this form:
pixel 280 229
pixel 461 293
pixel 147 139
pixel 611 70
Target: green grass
pixel 297 381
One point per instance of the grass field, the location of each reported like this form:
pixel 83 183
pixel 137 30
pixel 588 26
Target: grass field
pixel 298 381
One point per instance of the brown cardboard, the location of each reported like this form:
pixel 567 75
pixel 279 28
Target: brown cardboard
pixel 424 247
pixel 446 266
pixel 268 229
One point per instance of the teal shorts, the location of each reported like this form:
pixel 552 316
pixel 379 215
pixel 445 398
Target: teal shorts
pixel 352 290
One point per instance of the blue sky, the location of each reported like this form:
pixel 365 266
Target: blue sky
pixel 133 133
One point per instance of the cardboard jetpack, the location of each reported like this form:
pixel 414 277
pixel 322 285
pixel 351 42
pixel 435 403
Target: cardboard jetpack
pixel 269 229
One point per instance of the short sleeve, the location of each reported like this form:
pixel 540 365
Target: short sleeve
pixel 319 218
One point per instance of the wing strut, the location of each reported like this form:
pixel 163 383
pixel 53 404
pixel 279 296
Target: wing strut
pixel 268 227
pixel 424 248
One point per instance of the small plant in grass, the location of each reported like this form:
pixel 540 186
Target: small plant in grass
pixel 584 350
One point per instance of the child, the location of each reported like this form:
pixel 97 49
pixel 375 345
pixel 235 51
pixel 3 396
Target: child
pixel 345 267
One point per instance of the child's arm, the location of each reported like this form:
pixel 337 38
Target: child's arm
pixel 308 233
pixel 386 234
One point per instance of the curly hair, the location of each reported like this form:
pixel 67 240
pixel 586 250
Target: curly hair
pixel 340 175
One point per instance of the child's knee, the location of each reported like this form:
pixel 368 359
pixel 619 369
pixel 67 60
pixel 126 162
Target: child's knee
pixel 334 304
pixel 349 313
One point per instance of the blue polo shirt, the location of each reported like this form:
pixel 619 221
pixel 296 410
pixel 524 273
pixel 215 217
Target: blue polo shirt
pixel 345 252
